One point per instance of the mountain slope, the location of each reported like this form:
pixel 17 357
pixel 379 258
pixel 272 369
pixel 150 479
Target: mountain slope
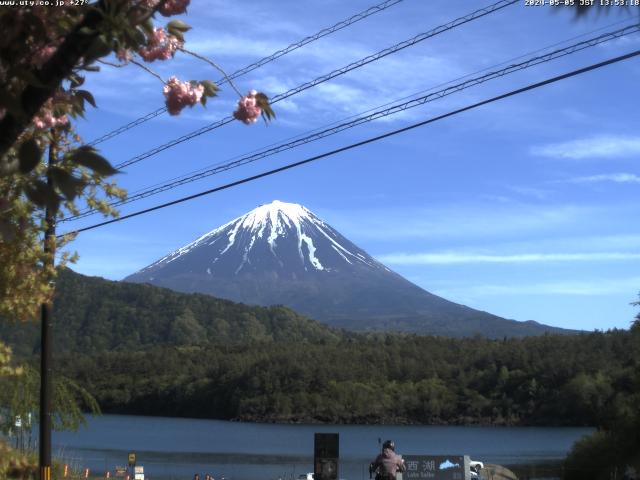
pixel 281 253
pixel 92 314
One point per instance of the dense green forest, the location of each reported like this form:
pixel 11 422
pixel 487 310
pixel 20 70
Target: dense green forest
pixel 94 315
pixel 147 350
pixel 547 380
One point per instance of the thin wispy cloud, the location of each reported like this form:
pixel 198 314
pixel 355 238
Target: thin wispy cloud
pixel 488 220
pixel 229 45
pixel 595 287
pixel 448 258
pixel 607 177
pixel 533 192
pixel 604 146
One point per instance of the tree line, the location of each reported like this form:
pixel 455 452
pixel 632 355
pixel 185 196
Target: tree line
pixel 585 379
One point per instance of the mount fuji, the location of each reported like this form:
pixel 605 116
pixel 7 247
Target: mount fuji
pixel 281 253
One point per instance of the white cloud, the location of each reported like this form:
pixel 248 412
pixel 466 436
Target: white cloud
pixel 603 146
pixel 533 192
pixel 607 177
pixel 235 46
pixel 461 221
pixel 448 258
pixel 595 287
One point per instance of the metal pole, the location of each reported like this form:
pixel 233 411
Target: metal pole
pixel 46 323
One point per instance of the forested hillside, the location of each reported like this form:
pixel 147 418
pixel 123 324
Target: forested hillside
pixel 548 380
pixel 147 350
pixel 92 315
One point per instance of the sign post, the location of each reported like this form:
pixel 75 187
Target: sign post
pixel 326 455
pixel 132 464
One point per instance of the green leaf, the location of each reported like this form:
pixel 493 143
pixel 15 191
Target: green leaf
pixel 147 26
pixel 99 48
pixel 178 25
pixel 69 185
pixel 210 88
pixel 176 34
pixel 135 37
pixel 42 194
pixel 8 167
pixel 86 95
pixel 11 103
pixel 29 155
pixel 263 102
pixel 87 157
pixel 86 31
pixel 76 80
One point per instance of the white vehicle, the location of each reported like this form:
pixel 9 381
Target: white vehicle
pixel 306 476
pixel 475 468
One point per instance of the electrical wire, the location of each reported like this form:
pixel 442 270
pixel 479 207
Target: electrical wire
pixel 263 61
pixel 376 114
pixel 518 91
pixel 329 76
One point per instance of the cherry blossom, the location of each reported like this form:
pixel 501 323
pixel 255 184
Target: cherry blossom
pixel 42 55
pixel 248 109
pixel 47 120
pixel 124 55
pixel 173 7
pixel 160 47
pixel 181 94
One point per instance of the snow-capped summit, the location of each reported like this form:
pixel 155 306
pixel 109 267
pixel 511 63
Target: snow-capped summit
pixel 281 253
pixel 278 235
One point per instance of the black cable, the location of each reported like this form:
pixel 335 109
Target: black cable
pixel 376 114
pixel 263 61
pixel 331 75
pixel 365 142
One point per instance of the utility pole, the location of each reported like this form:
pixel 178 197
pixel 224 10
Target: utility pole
pixel 46 323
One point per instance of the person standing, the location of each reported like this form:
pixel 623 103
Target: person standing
pixel 387 463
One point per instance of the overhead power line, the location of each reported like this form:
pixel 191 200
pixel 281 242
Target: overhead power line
pixel 512 93
pixel 376 114
pixel 335 73
pixel 263 61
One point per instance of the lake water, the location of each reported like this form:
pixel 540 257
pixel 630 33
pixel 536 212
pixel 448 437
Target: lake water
pixel 179 447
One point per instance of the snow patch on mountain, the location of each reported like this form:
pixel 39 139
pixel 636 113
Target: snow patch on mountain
pixel 272 222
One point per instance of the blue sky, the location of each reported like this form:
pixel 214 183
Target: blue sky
pixel 525 208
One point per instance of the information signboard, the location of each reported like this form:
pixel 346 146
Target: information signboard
pixel 326 454
pixel 121 471
pixel 437 467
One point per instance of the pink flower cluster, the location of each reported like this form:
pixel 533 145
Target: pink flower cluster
pixel 181 94
pixel 42 55
pixel 160 47
pixel 169 7
pixel 124 55
pixel 173 7
pixel 248 109
pixel 47 120
pixel 149 3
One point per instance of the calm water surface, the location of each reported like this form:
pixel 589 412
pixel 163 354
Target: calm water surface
pixel 178 447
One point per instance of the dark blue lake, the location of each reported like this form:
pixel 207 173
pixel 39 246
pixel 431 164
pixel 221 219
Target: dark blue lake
pixel 178 447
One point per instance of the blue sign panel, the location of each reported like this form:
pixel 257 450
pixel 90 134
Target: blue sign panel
pixel 436 467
